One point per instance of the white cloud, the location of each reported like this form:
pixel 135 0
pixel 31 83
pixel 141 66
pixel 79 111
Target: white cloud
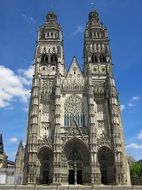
pixel 139 136
pixel 78 30
pixel 122 107
pixel 26 75
pixel 12 86
pixel 131 104
pixel 28 18
pixel 134 146
pixel 13 140
pixel 135 98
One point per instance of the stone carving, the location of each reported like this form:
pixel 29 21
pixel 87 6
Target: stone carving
pixel 98 87
pixel 100 107
pixel 44 141
pixel 74 131
pixel 45 108
pixel 100 124
pixel 102 140
pixel 46 90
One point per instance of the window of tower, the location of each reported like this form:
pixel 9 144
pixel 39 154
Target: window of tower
pixel 104 59
pixel 95 69
pixel 96 60
pixel 101 58
pixel 90 35
pixel 44 58
pixel 103 69
pixel 92 59
pixel 47 35
pixel 51 34
pixel 42 35
pixel 54 59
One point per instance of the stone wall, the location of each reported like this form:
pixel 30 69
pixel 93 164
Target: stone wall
pixel 7 176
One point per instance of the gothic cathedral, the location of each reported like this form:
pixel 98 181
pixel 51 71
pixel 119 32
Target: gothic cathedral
pixel 74 132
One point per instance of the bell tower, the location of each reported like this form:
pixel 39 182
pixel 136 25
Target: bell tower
pixel 49 52
pixel 48 66
pixel 106 130
pixel 96 47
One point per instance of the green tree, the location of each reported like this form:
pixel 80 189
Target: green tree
pixel 136 170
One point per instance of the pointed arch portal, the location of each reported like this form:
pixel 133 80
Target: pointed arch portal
pixel 106 161
pixel 78 161
pixel 45 156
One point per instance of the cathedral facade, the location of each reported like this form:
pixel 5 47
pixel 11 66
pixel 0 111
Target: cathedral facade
pixel 74 132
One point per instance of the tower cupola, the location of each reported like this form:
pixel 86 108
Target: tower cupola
pixel 93 18
pixel 51 17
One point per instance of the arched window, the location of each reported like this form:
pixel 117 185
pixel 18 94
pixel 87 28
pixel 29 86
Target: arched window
pixel 54 59
pixel 101 58
pixel 90 35
pixel 104 59
pixel 96 60
pixel 92 59
pixel 73 112
pixel 44 58
pixel 47 34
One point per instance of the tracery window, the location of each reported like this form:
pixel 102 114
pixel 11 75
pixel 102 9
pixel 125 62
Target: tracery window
pixel 73 112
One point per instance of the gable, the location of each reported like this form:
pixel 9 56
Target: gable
pixel 74 80
pixel 74 70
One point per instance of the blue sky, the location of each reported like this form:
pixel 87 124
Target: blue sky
pixel 20 21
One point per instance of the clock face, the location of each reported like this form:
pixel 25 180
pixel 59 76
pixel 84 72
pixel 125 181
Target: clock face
pixel 73 105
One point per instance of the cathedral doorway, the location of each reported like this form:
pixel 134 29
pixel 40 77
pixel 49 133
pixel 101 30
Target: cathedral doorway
pixel 71 177
pixel 45 156
pixel 79 176
pixel 106 161
pixel 45 179
pixel 78 162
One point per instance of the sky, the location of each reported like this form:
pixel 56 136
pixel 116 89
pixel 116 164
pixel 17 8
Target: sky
pixel 20 20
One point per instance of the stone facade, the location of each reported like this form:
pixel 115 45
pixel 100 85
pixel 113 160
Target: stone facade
pixel 74 133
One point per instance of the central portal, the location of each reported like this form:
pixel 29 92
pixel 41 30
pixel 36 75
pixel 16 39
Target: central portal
pixel 76 158
pixel 75 177
pixel 71 177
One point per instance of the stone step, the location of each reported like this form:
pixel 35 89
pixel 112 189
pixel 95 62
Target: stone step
pixel 70 187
